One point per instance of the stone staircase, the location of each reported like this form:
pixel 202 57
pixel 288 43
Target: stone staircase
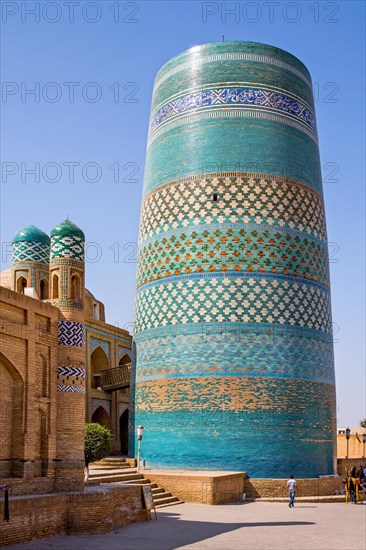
pixel 124 471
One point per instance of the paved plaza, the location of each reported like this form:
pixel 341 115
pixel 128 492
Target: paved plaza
pixel 252 525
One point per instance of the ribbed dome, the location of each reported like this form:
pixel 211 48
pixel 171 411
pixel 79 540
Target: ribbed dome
pixel 67 229
pixel 31 233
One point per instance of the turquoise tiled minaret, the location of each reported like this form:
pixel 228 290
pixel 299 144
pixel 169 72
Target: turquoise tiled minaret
pixel 30 260
pixel 234 355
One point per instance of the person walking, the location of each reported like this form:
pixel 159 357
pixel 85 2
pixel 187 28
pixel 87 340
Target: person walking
pixel 291 487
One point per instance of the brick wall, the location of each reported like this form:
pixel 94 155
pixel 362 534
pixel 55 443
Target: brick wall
pixel 207 488
pixel 274 488
pixel 28 365
pixel 73 513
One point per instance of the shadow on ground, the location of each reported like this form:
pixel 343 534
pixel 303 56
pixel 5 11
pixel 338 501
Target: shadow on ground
pixel 190 532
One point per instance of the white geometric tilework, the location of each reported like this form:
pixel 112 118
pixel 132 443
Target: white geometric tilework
pixel 71 371
pixel 70 333
pixel 64 246
pixel 237 297
pixel 70 389
pixel 31 252
pixel 242 200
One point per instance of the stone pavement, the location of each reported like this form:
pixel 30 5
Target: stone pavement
pixel 236 526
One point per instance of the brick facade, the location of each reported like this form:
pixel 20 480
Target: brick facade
pixel 71 514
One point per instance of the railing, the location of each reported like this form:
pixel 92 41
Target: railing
pixel 117 378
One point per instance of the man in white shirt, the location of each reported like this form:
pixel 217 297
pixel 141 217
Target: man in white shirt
pixel 291 487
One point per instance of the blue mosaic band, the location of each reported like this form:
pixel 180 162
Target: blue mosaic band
pixel 217 98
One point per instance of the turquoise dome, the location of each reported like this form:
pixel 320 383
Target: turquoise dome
pixel 31 233
pixel 67 229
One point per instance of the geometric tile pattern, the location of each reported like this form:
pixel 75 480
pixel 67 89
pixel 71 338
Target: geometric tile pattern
pixel 65 246
pixel 215 98
pixel 70 333
pixel 71 371
pixel 233 298
pixel 242 200
pixel 70 389
pixel 31 251
pixel 251 250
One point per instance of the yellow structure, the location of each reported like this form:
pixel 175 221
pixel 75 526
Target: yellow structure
pixel 355 444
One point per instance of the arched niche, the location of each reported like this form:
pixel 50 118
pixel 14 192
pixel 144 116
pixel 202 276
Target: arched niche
pixel 11 419
pixel 98 363
pixel 101 416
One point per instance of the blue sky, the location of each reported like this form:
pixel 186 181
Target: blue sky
pixel 84 130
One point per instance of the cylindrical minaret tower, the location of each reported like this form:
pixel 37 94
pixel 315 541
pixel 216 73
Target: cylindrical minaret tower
pixel 67 293
pixel 234 356
pixel 30 261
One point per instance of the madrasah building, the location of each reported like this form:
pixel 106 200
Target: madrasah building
pixel 61 364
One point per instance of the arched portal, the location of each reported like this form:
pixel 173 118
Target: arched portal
pixel 98 362
pixel 102 417
pixel 123 431
pixel 11 418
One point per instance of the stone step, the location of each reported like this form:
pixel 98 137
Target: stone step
pixel 170 504
pixel 110 467
pixel 117 477
pixel 103 473
pixel 166 501
pixel 157 490
pixel 138 482
pixel 116 460
pixel 159 496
